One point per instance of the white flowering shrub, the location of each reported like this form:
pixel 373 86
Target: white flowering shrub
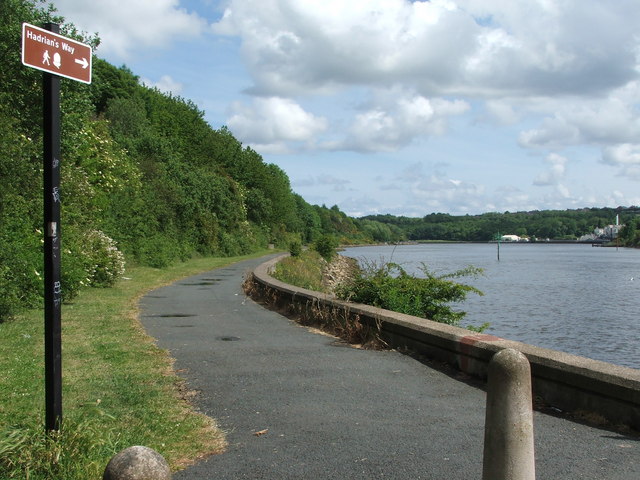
pixel 90 258
pixel 105 262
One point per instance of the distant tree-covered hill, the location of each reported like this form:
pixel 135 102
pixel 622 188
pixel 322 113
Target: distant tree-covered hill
pixel 541 225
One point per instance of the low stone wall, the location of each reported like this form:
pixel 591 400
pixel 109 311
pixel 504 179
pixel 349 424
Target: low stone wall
pixel 567 382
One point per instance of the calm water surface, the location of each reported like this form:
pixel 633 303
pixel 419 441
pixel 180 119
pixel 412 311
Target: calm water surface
pixel 574 298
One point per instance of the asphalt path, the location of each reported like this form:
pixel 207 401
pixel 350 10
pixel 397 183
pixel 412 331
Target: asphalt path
pixel 297 404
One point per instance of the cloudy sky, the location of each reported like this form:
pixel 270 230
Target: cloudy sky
pixel 404 107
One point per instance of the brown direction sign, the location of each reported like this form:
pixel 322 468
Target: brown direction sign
pixel 53 53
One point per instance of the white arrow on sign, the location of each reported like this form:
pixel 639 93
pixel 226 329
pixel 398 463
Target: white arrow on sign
pixel 82 62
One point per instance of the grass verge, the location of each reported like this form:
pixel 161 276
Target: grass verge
pixel 119 388
pixel 304 271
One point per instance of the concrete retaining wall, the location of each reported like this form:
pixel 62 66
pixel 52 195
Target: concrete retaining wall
pixel 567 382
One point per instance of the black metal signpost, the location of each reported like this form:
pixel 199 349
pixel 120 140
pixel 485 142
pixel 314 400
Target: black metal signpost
pixel 57 56
pixel 52 285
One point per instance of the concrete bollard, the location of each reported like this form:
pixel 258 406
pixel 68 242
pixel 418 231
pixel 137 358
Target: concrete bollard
pixel 508 431
pixel 137 463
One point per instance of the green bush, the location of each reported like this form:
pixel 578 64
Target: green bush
pixel 21 261
pixel 390 287
pixel 326 246
pixel 158 251
pixel 295 248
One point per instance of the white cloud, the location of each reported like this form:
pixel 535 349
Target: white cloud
pixel 553 133
pixel 554 177
pixel 626 157
pixel 165 84
pixel 391 120
pixel 271 121
pixel 134 25
pixel 359 206
pixel 397 118
pixel 600 121
pixel 445 189
pixel 438 47
pixel 435 191
pixel 293 46
pixel 555 174
pixel 325 181
pixel 502 111
pixel 575 63
pixel 509 198
pixel 573 47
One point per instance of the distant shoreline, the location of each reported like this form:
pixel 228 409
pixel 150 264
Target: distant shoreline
pixel 474 242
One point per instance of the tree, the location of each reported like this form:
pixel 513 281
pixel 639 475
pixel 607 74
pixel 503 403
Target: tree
pixel 629 233
pixel 326 246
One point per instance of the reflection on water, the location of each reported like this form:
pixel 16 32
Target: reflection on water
pixel 573 298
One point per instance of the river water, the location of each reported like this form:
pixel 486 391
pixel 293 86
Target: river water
pixel 574 298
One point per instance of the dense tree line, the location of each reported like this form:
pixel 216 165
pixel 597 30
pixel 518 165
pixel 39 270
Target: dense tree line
pixel 144 178
pixel 535 225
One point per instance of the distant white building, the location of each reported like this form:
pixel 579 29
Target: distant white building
pixel 609 232
pixel 513 238
pixel 612 231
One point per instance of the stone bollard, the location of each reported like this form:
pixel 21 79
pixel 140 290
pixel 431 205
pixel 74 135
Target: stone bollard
pixel 137 463
pixel 508 430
